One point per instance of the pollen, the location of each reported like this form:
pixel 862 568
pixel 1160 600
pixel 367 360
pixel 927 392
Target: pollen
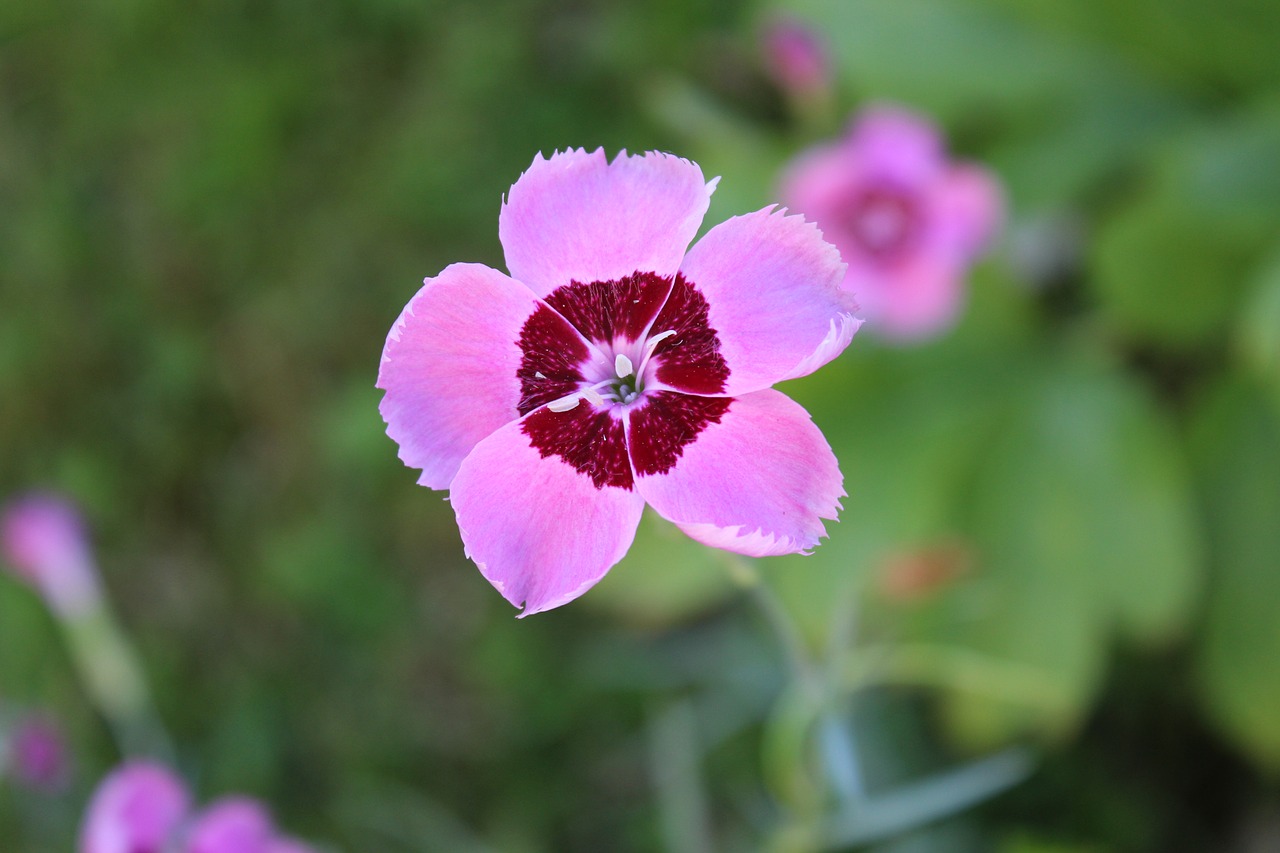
pixel 623 366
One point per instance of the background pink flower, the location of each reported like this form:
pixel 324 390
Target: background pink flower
pixel 43 540
pixel 231 825
pixel 617 367
pixel 796 57
pixel 136 809
pixel 37 754
pixel 908 222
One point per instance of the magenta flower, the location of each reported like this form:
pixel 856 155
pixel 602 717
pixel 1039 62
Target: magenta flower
pixel 615 368
pixel 37 754
pixel 43 540
pixel 138 808
pixel 231 825
pixel 796 57
pixel 907 222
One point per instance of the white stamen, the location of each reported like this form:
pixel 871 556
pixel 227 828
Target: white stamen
pixel 593 397
pixel 623 366
pixel 657 339
pixel 538 374
pixel 564 404
pixel 652 344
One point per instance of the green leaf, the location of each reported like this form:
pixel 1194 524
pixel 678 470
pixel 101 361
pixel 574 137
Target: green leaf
pixel 1258 328
pixel 1171 266
pixel 1082 524
pixel 1236 438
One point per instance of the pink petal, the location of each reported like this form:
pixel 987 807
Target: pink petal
pixel 895 144
pixel 968 209
pixel 921 298
pixel 136 809
pixel 43 539
pixel 231 825
pixel 776 303
pixel 578 217
pixel 818 181
pixel 536 522
pixel 450 367
pixel 758 480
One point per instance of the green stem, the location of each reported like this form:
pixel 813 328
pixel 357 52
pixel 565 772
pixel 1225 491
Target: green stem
pixel 112 676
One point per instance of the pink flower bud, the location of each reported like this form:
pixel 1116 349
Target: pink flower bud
pixel 796 57
pixel 43 540
pixel 137 809
pixel 37 754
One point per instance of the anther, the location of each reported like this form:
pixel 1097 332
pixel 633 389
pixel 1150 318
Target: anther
pixel 623 366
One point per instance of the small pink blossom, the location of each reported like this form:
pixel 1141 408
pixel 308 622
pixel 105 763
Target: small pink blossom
pixel 43 539
pixel 142 807
pixel 138 808
pixel 231 825
pixel 37 754
pixel 616 366
pixel 796 57
pixel 907 221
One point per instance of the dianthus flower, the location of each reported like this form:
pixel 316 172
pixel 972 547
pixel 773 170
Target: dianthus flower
pixel 136 809
pixel 907 222
pixel 614 368
pixel 37 754
pixel 142 807
pixel 43 539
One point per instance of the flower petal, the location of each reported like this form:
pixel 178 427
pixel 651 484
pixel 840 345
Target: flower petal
pixel 578 217
pixel 895 144
pixel 919 299
pixel 137 807
pixel 776 305
pixel 534 520
pixel 451 362
pixel 231 825
pixel 968 208
pixel 757 480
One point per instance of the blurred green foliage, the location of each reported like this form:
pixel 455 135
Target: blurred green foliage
pixel 211 213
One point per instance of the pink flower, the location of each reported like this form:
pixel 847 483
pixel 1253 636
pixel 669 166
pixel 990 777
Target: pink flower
pixel 37 754
pixel 231 825
pixel 43 539
pixel 137 809
pixel 617 367
pixel 796 57
pixel 907 222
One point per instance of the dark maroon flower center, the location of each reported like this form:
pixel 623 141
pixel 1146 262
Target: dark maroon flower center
pixel 885 222
pixel 599 354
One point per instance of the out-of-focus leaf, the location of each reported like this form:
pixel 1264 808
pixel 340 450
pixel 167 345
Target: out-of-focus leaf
pixel 1165 275
pixel 1081 521
pixel 906 426
pixel 1184 41
pixel 1258 329
pixel 1237 446
pixel 1171 265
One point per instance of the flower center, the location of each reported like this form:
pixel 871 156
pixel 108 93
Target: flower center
pixel 633 349
pixel 884 221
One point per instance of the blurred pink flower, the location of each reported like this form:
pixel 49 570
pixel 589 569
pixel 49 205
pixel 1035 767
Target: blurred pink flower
pixel 43 539
pixel 796 57
pixel 907 221
pixel 231 825
pixel 137 809
pixel 616 366
pixel 37 754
